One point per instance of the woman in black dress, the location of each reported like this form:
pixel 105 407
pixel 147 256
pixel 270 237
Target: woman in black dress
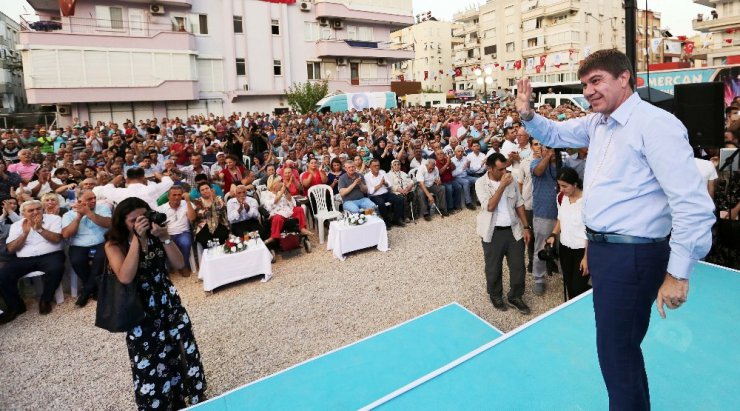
pixel 165 360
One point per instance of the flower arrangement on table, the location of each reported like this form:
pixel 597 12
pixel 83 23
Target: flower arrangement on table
pixel 356 219
pixel 234 245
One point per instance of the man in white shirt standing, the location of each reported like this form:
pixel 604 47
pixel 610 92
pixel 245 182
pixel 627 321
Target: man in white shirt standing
pixel 136 186
pixel 180 214
pixel 36 240
pixel 503 228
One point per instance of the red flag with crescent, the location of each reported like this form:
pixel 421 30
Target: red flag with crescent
pixel 518 64
pixel 67 7
pixel 689 47
pixel 542 59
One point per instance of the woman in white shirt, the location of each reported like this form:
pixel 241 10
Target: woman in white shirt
pixel 572 233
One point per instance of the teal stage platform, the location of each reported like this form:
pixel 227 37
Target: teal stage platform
pixel 449 359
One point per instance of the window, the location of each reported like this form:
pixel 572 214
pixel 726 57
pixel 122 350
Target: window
pixel 109 17
pixel 510 47
pixel 509 11
pixel 238 26
pixel 241 67
pixel 314 70
pixel 203 23
pixel 277 67
pixel 311 31
pixel 365 34
pixel 532 42
pixel 178 24
pixel 275 27
pixel 489 50
pixel 351 32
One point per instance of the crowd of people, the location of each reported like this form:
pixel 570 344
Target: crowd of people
pixel 213 175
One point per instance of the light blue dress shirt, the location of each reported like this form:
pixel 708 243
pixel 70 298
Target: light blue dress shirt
pixel 88 233
pixel 640 177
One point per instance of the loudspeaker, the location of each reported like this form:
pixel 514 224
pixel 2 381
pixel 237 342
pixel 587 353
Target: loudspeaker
pixel 700 107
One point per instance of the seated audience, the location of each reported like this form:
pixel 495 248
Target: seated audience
pixel 180 215
pixel 281 205
pixel 85 225
pixel 36 240
pixel 243 212
pixel 211 222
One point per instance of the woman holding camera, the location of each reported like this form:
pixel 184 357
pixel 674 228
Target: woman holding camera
pixel 572 231
pixel 165 360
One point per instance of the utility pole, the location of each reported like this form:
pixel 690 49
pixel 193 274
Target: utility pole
pixel 630 10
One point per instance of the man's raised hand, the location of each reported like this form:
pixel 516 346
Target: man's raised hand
pixel 523 97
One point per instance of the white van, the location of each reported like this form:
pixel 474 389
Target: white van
pixel 555 100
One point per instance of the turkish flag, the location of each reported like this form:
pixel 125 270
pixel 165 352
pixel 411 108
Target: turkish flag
pixel 67 7
pixel 495 64
pixel 682 38
pixel 689 47
pixel 542 59
pixel 538 68
pixel 502 68
pixel 728 41
pixel 730 31
pixel 458 72
pixel 518 64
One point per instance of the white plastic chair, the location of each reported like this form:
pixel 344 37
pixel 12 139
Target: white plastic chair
pixel 324 210
pixel 58 294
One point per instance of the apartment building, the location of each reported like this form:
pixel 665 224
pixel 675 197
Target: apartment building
pixel 723 25
pixel 467 52
pixel 542 39
pixel 431 42
pixel 648 39
pixel 126 59
pixel 12 95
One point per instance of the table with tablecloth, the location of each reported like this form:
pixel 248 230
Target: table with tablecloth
pixel 345 238
pixel 218 268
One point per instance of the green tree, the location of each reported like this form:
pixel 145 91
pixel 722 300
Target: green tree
pixel 304 96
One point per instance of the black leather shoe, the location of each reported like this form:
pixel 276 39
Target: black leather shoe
pixel 470 206
pixel 7 317
pixel 498 303
pixel 519 304
pixel 44 307
pixel 445 213
pixel 401 224
pixel 82 299
pixel 427 218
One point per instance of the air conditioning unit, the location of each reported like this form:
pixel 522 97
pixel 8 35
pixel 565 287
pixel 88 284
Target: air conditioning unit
pixel 156 9
pixel 305 6
pixel 382 62
pixel 64 110
pixel 342 61
pixel 323 21
pixel 337 24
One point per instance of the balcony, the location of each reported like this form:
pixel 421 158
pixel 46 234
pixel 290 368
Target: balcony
pixel 466 15
pixel 87 32
pixel 342 12
pixel 720 24
pixel 470 28
pixel 53 5
pixel 553 7
pixel 360 49
pixel 708 3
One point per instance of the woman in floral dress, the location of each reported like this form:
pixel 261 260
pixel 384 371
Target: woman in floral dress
pixel 165 360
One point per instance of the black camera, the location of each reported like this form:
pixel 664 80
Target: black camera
pixel 155 217
pixel 549 254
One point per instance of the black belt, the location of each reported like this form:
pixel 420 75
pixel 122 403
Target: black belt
pixel 503 227
pixel 614 238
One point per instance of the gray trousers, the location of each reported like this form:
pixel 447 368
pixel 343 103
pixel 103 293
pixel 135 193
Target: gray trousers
pixel 438 191
pixel 542 229
pixel 503 245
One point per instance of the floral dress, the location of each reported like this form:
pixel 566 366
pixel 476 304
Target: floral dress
pixel 165 360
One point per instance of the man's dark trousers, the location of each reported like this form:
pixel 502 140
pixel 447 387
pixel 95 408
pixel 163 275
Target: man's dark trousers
pixel 625 279
pixel 395 213
pixel 51 264
pixel 503 244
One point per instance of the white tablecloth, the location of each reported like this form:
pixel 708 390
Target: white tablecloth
pixel 217 269
pixel 344 238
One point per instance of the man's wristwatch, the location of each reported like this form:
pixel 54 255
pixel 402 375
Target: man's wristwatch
pixel 40 230
pixel 678 278
pixel 167 241
pixel 527 227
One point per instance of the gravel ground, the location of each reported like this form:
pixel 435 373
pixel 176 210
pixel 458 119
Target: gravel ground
pixel 313 304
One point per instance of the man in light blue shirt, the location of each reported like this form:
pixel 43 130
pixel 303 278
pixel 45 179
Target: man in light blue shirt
pixel 85 226
pixel 647 212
